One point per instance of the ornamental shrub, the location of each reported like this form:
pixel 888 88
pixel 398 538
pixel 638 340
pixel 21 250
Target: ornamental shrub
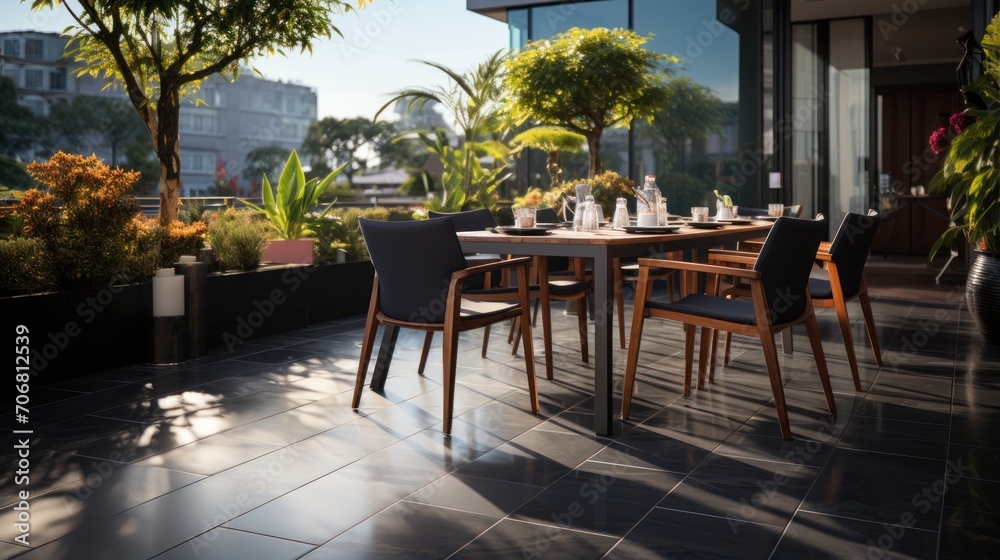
pixel 23 266
pixel 238 239
pixel 91 240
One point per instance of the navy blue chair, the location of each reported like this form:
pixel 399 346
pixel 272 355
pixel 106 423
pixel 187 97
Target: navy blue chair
pixel 420 275
pixel 778 280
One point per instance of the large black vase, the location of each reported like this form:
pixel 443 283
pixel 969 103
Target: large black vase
pixel 982 294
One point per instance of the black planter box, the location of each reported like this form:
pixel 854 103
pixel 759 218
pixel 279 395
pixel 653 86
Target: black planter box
pixel 73 334
pixel 82 332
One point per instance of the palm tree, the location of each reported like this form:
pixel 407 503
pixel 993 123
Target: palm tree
pixel 473 99
pixel 552 140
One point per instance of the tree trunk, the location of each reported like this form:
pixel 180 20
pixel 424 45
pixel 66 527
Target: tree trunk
pixel 594 146
pixel 168 151
pixel 553 167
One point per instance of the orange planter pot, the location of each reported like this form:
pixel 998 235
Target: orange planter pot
pixel 290 251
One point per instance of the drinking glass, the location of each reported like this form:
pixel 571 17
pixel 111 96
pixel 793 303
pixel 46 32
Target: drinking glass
pixel 699 213
pixel 524 217
pixel 775 209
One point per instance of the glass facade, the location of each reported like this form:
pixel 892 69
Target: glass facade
pixel 692 146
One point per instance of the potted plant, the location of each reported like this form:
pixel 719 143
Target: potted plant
pixel 288 210
pixel 971 171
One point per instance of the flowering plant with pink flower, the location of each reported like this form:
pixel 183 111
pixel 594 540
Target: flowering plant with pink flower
pixel 940 139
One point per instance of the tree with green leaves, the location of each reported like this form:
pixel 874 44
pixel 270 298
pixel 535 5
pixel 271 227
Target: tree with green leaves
pixel 588 80
pixel 474 100
pixel 160 51
pixel 692 112
pixel 552 140
pixel 18 125
pixel 336 142
pixel 110 120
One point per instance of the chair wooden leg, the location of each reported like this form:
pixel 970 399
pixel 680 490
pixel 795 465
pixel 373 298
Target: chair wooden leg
pixel 866 309
pixel 450 354
pixel 486 340
pixel 619 299
pixel 534 317
pixel 546 305
pixel 671 293
pixel 774 374
pixel 725 348
pixel 713 357
pixel 529 363
pixel 706 339
pixel 634 342
pixel 845 331
pixel 428 338
pixel 688 357
pixel 812 327
pixel 367 344
pixel 515 331
pixel 529 352
pixel 581 322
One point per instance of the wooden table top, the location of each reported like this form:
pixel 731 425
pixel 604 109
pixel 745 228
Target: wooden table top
pixel 608 236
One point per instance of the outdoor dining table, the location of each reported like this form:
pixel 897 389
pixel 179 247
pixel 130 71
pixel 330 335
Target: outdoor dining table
pixel 602 247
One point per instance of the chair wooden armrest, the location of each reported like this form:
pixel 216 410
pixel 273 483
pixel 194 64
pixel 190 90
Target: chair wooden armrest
pixel 699 267
pixel 716 256
pixel 489 267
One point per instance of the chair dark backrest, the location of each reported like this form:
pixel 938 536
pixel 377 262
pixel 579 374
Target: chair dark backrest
pixel 793 211
pixel 785 261
pixel 850 249
pixel 547 216
pixel 752 212
pixel 470 220
pixel 414 262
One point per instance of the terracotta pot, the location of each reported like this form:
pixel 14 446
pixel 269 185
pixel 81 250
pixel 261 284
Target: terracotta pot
pixel 290 251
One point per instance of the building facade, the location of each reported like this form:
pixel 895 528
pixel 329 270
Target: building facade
pixel 225 122
pixel 830 95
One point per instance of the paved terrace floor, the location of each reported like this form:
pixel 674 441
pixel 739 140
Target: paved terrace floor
pixel 256 454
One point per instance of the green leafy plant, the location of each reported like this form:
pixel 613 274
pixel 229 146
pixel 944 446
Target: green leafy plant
pixel 23 265
pixel 587 80
pixel 607 187
pixel 552 140
pixel 340 229
pixel 160 51
pixel 289 208
pixel 971 168
pixel 474 101
pixel 238 239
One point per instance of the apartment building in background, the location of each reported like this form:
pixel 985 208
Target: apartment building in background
pixel 234 118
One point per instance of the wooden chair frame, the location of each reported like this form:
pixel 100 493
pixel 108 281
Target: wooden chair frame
pixel 763 329
pixel 454 324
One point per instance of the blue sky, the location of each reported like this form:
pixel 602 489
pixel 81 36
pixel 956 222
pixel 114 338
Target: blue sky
pixel 354 75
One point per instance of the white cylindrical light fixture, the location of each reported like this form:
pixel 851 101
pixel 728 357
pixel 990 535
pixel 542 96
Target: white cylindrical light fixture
pixel 168 294
pixel 774 180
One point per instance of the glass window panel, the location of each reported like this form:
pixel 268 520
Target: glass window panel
pixel 33 78
pixel 849 119
pixel 57 79
pixel 807 131
pixel 12 47
pixel 692 145
pixel 34 48
pixel 517 21
pixel 547 21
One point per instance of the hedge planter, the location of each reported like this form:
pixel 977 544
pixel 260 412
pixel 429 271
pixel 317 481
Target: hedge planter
pixel 982 294
pixel 78 333
pixel 74 334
